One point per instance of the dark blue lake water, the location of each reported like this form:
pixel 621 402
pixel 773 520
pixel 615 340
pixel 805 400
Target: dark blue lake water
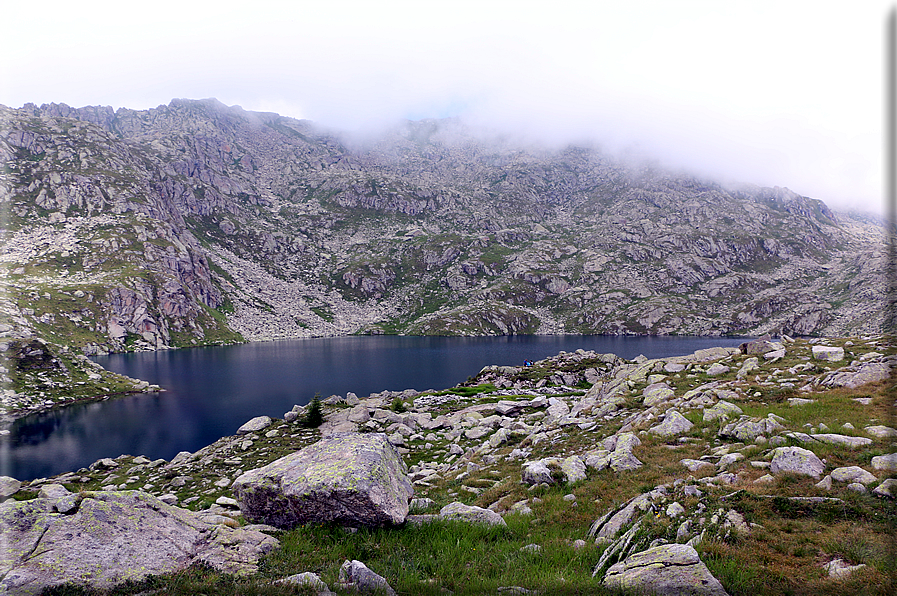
pixel 212 391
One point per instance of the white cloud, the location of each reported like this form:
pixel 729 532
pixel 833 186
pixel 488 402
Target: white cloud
pixel 786 92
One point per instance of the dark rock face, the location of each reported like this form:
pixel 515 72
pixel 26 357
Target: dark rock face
pixel 351 479
pixel 31 355
pixel 105 538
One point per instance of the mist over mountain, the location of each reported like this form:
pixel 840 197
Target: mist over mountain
pixel 197 223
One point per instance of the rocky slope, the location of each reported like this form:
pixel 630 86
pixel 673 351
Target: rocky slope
pixel 197 223
pixel 764 471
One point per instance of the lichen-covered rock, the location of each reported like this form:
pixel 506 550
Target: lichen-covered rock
pixel 626 442
pixel 351 479
pixel 510 408
pixel 8 487
pixel 598 459
pixel 871 372
pixel 624 461
pixel 853 474
pixel 668 570
pixel 673 424
pixel 887 489
pixel 709 354
pixel 421 504
pixel 846 440
pixel 471 513
pixel 656 393
pixel 556 408
pixel 477 432
pixel 609 525
pixel 887 463
pixel 717 369
pixel 760 345
pixel 359 414
pixel 796 460
pixel 256 424
pixel 722 409
pixel 111 537
pixel 308 581
pixel 622 458
pixel 747 429
pixel 747 366
pixel 355 576
pixel 729 459
pixel 574 469
pixel 500 437
pixel 828 353
pixel 880 431
pixel 694 465
pixel 536 473
pixel 674 509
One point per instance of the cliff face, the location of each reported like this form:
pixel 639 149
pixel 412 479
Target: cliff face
pixel 198 223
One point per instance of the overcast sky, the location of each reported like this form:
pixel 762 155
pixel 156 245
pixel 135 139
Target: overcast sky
pixel 786 93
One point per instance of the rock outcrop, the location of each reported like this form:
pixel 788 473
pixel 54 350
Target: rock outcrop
pixel 674 423
pixel 104 538
pixel 668 570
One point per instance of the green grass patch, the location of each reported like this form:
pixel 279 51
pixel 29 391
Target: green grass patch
pixel 469 391
pixel 461 557
pixel 324 312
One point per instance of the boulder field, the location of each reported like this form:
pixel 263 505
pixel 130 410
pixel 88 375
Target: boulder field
pixel 675 463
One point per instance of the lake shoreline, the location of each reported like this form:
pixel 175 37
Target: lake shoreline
pixel 211 390
pixel 9 415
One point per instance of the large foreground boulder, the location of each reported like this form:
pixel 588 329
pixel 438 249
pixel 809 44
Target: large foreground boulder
pixel 105 538
pixel 668 570
pixel 352 479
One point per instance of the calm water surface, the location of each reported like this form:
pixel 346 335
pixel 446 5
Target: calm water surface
pixel 212 391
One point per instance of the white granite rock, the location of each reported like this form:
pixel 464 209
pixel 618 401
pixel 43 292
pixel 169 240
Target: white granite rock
pixel 796 460
pixel 885 463
pixel 256 424
pixel 673 424
pixel 828 353
pixel 669 570
pixel 852 474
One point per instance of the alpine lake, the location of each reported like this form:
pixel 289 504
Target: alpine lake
pixel 209 392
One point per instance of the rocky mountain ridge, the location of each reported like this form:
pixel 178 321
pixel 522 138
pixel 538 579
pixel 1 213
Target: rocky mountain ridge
pixel 197 223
